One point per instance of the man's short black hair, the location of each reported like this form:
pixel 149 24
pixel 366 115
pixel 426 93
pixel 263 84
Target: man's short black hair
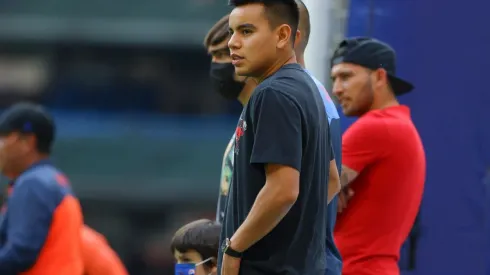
pixel 218 33
pixel 304 24
pixel 201 236
pixel 277 11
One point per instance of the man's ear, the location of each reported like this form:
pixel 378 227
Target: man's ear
pixel 381 77
pixel 284 36
pixel 297 39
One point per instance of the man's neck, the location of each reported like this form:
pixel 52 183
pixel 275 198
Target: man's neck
pixel 389 100
pixel 30 161
pixel 247 91
pixel 276 66
pixel 385 105
pixel 300 58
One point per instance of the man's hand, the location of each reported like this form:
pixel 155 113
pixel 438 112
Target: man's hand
pixel 230 265
pixel 344 196
pixel 348 175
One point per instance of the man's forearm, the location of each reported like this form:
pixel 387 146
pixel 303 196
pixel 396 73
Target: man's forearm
pixel 347 176
pixel 268 210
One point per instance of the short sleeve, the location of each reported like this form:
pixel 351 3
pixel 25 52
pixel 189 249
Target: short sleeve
pixel 276 121
pixel 365 142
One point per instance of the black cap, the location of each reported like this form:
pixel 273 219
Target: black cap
pixel 372 54
pixel 28 118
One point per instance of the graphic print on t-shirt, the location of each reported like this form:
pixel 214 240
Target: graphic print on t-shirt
pixel 240 130
pixel 225 180
pixel 227 168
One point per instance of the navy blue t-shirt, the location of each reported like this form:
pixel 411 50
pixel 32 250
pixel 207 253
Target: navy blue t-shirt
pixel 334 260
pixel 283 123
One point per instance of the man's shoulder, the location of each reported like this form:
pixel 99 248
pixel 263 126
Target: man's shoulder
pixel 382 122
pixel 330 107
pixel 275 90
pixel 45 180
pixel 369 122
pixel 289 78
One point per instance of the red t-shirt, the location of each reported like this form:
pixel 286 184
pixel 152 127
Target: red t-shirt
pixel 384 147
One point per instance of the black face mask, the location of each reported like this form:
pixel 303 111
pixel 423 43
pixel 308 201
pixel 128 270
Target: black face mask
pixel 222 79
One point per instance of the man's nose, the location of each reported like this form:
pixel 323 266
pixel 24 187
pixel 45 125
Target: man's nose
pixel 233 42
pixel 337 88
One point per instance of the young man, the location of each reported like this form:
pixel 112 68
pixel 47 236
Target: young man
pixel 275 218
pixel 383 159
pixel 195 247
pixel 42 219
pixel 98 256
pixel 334 261
pixel 229 85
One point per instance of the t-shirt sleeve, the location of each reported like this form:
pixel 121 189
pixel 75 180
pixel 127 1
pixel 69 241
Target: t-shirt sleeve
pixel 276 121
pixel 365 142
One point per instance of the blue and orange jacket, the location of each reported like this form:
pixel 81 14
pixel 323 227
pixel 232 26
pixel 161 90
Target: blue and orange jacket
pixel 40 226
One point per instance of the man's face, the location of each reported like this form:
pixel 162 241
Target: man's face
pixel 12 149
pixel 253 44
pixel 220 53
pixel 352 85
pixel 193 257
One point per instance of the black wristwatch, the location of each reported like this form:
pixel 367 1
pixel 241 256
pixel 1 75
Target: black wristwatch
pixel 230 251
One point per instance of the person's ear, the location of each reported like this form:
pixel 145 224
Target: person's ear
pixel 297 39
pixel 284 36
pixel 28 142
pixel 381 77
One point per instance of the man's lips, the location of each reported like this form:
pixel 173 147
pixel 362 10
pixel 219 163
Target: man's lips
pixel 235 58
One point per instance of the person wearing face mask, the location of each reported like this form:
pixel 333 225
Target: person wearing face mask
pixel 195 248
pixel 230 86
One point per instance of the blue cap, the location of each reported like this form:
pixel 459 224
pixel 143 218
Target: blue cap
pixel 29 119
pixel 372 54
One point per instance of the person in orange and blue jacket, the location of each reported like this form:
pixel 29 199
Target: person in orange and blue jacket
pixel 41 221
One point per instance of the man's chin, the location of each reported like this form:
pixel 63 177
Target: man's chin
pixel 347 112
pixel 352 113
pixel 242 72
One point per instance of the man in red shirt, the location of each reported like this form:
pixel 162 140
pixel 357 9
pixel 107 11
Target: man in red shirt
pixel 383 159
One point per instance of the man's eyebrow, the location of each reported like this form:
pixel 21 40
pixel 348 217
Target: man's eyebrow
pixel 224 49
pixel 244 26
pixel 342 73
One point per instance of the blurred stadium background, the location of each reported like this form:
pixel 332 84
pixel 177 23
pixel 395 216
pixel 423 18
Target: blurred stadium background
pixel 141 134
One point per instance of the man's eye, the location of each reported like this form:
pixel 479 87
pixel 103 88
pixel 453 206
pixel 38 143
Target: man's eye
pixel 245 32
pixel 346 77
